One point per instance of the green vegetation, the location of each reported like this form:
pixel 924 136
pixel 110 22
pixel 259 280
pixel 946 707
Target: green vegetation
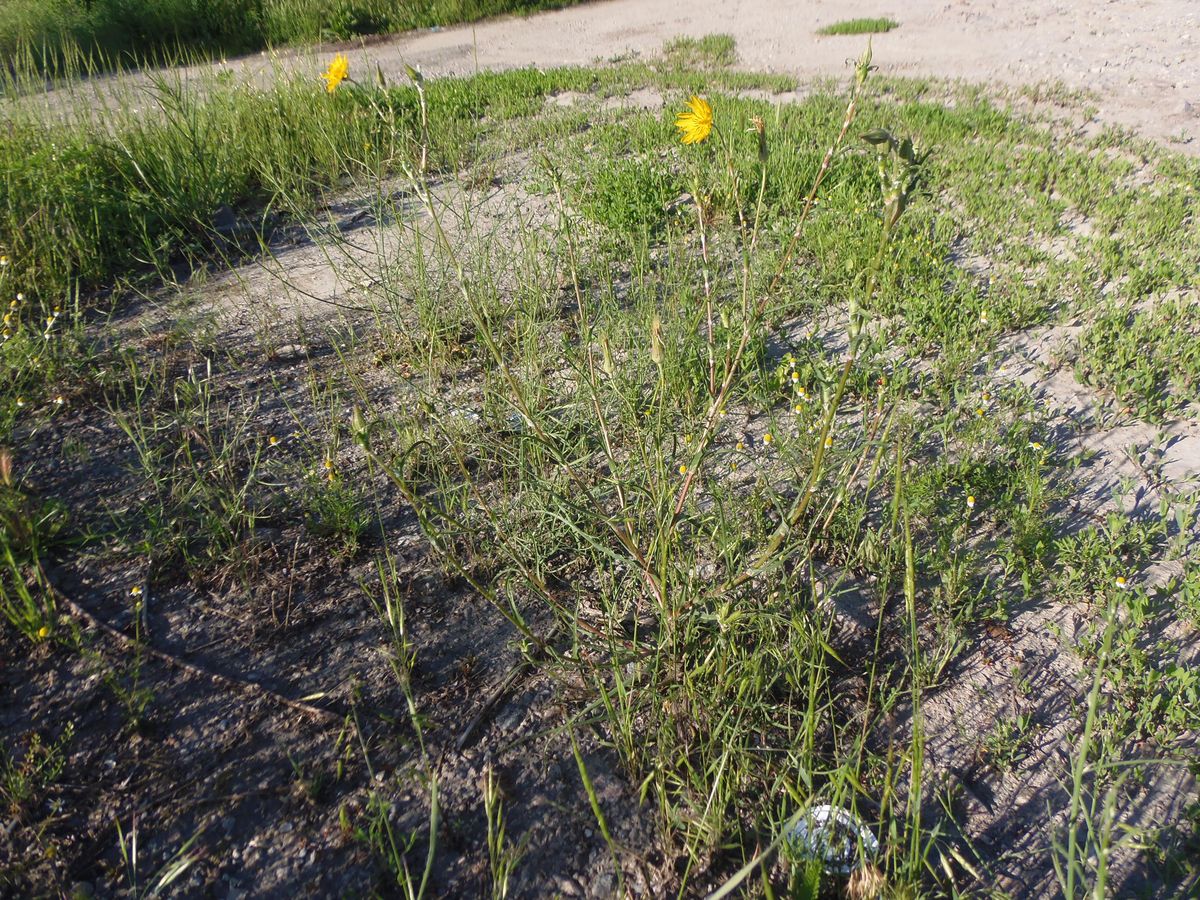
pixel 713 51
pixel 711 437
pixel 860 26
pixel 1149 359
pixel 49 33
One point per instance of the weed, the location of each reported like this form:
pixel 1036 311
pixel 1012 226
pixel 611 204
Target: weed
pixel 171 870
pixel 334 508
pixel 23 781
pixel 1148 358
pixel 1008 742
pixel 503 856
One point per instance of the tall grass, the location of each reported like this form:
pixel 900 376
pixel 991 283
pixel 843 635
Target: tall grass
pixel 131 32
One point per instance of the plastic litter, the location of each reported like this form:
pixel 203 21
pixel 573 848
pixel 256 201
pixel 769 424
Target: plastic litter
pixel 834 836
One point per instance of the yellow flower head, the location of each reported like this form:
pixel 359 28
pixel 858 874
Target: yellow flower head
pixel 43 632
pixel 695 122
pixel 336 73
pixel 971 502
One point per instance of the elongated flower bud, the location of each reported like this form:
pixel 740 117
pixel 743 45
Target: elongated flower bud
pixel 606 358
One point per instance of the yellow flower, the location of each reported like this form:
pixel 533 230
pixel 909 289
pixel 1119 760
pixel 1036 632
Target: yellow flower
pixel 43 632
pixel 971 502
pixel 135 591
pixel 767 438
pixel 683 470
pixel 274 440
pixel 1121 582
pixel 695 122
pixel 336 73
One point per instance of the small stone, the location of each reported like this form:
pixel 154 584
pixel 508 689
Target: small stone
pixel 568 887
pixel 604 884
pixel 289 352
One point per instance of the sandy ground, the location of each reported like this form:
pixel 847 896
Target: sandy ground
pixel 1138 57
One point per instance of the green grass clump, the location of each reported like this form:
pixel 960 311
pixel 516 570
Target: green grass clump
pixel 860 26
pixel 713 51
pixel 84 201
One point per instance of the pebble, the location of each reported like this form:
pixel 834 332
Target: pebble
pixel 289 351
pixel 567 887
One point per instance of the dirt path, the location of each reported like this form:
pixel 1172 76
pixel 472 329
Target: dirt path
pixel 1139 57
